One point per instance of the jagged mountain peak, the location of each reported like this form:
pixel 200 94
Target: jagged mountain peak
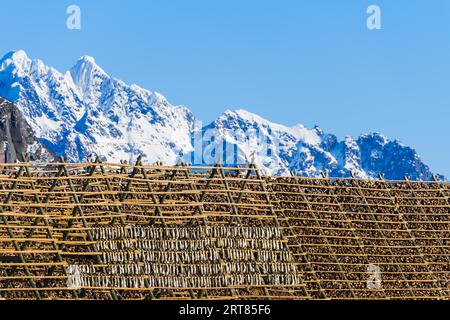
pixel 18 57
pixel 16 62
pixel 85 111
pixel 87 59
pixel 375 137
pixel 88 76
pixel 279 149
pixel 245 120
pixel 245 116
pixel 87 62
pixel 20 65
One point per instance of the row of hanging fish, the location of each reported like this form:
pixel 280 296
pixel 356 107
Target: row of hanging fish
pixel 199 256
pixel 186 282
pixel 161 256
pixel 136 232
pixel 212 269
pixel 249 244
pixel 127 244
pixel 256 255
pixel 111 282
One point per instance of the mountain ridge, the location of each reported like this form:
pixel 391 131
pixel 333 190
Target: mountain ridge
pixel 311 152
pixel 85 111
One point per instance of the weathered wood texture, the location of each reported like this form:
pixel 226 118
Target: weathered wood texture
pixel 336 232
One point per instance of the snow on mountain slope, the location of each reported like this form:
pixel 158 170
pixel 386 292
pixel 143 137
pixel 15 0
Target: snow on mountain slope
pixel 269 145
pixel 241 137
pixel 85 111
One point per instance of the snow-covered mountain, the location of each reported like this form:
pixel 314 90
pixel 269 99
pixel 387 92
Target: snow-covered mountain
pixel 84 111
pixel 242 137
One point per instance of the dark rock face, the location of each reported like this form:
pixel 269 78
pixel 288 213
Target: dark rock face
pixel 17 138
pixel 394 160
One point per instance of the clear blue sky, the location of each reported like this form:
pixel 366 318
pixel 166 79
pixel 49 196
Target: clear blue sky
pixel 311 62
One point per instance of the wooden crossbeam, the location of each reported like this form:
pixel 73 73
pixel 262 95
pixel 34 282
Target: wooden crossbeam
pixel 389 248
pixel 332 192
pixel 113 294
pixel 419 248
pixel 15 243
pixel 275 215
pixel 49 232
